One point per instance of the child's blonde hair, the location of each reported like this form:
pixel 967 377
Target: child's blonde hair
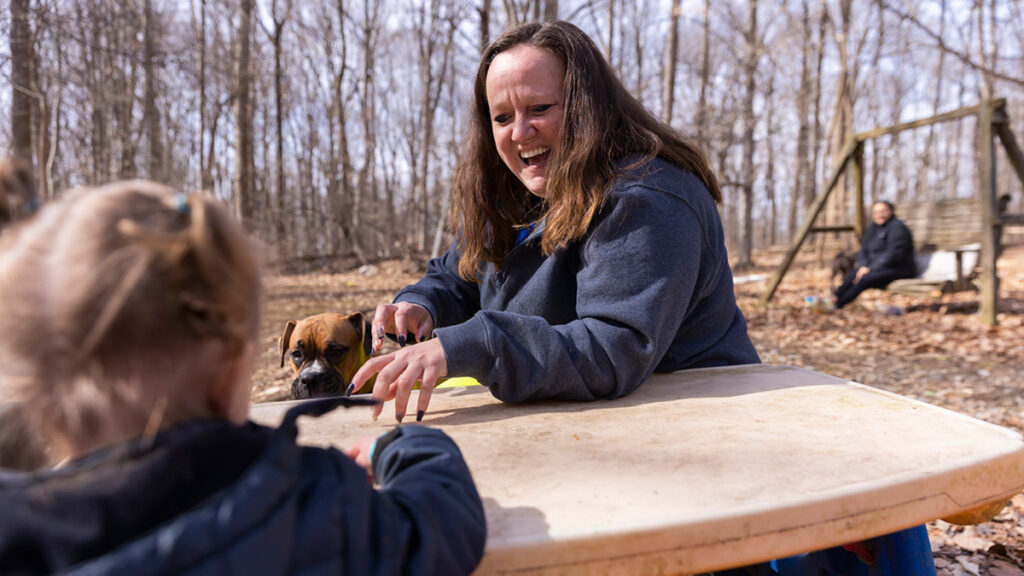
pixel 118 303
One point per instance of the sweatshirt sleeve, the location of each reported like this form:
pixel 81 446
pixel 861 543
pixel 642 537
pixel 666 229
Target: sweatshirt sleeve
pixel 426 518
pixel 637 281
pixel 449 299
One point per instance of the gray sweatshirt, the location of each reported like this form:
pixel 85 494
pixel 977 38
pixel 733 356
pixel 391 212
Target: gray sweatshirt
pixel 648 289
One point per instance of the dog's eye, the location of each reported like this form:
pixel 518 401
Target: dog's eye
pixel 297 356
pixel 334 354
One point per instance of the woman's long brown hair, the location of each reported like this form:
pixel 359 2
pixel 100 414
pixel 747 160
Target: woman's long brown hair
pixel 602 125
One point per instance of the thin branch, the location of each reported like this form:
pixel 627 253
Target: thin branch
pixel 905 17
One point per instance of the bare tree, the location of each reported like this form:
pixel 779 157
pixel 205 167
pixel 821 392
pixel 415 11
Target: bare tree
pixel 981 64
pixel 705 79
pixel 243 186
pixel 771 129
pixel 521 11
pixel 351 139
pixel 435 33
pixel 609 49
pixel 485 23
pixel 924 159
pixel 275 32
pixel 123 43
pixel 21 81
pixel 841 123
pixel 340 188
pixel 151 114
pixel 199 33
pixel 369 33
pixel 550 10
pixel 803 170
pixel 811 189
pixel 671 58
pixel 752 54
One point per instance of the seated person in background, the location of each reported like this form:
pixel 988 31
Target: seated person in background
pixel 886 254
pixel 130 350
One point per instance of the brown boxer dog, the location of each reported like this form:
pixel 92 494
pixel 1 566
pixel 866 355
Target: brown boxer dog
pixel 325 351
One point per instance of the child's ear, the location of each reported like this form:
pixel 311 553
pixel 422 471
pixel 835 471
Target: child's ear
pixel 228 393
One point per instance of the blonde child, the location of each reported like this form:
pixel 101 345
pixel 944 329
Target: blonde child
pixel 128 328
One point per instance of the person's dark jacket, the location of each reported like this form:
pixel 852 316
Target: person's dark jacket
pixel 647 289
pixel 889 247
pixel 207 497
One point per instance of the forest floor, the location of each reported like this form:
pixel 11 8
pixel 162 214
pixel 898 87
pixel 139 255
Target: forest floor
pixel 935 350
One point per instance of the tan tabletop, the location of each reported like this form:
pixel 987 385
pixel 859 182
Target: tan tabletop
pixel 703 469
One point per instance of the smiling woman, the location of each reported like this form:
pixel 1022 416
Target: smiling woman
pixel 589 252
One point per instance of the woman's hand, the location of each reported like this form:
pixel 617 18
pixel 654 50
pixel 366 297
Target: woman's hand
pixel 399 371
pixel 400 319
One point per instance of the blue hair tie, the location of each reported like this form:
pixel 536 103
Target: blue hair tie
pixel 181 204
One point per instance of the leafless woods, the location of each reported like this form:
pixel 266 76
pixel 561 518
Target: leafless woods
pixel 333 126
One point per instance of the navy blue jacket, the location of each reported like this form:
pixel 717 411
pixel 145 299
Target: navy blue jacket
pixel 889 247
pixel 647 289
pixel 207 497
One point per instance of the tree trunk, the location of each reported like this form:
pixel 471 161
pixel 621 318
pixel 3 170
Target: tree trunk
pixel 123 44
pixel 275 35
pixel 151 114
pixel 750 59
pixel 550 10
pixel 48 143
pixel 367 177
pixel 811 191
pixel 841 125
pixel 21 81
pixel 925 159
pixel 671 57
pixel 341 189
pixel 802 172
pixel 638 50
pixel 431 37
pixel 89 23
pixel 769 170
pixel 205 172
pixel 243 185
pixel 611 33
pixel 705 80
pixel 485 24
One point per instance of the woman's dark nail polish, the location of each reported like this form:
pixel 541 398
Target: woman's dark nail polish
pixel 399 417
pixel 401 341
pixel 351 388
pixel 419 416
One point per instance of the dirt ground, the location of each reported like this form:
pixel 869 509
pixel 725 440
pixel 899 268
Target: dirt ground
pixel 931 349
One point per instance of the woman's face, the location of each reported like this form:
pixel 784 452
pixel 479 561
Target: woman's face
pixel 524 95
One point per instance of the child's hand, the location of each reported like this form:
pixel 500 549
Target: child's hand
pixel 360 452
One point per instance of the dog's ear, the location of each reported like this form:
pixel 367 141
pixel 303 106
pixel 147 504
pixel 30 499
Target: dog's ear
pixel 285 338
pixel 367 338
pixel 362 327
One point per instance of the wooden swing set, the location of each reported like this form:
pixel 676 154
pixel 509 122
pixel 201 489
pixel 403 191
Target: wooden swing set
pixel 992 121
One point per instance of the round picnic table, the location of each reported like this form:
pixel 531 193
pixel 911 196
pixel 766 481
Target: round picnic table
pixel 701 470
